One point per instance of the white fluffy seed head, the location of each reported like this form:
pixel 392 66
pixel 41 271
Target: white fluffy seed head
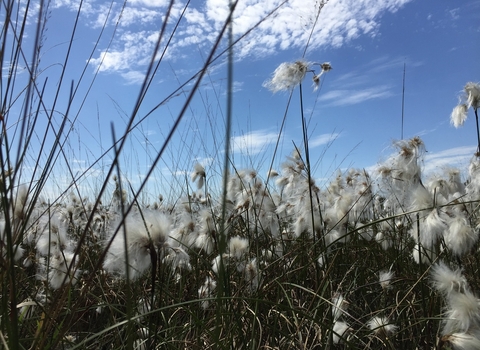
pixel 447 281
pixel 287 76
pixel 459 115
pixel 460 236
pixel 385 278
pixel 237 247
pixel 472 91
pixel 381 326
pixel 198 175
pixel 142 232
pixel 463 312
pixel 463 341
pixel 340 305
pixel 340 330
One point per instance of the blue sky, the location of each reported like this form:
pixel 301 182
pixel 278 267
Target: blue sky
pixel 353 117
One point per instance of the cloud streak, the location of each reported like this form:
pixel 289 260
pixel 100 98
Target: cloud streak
pixel 323 139
pixel 458 157
pixel 253 142
pixel 354 96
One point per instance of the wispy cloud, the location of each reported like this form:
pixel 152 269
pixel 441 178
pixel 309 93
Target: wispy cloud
pixel 354 96
pixel 323 139
pixel 458 157
pixel 360 84
pixel 254 142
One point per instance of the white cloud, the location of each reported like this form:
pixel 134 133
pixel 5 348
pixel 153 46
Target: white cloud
pixel 350 97
pixel 137 16
pixel 150 3
pixel 254 142
pixel 205 161
pixel 458 157
pixel 134 77
pixel 322 139
pixel 291 26
pixel 136 51
pixel 363 83
pixel 454 13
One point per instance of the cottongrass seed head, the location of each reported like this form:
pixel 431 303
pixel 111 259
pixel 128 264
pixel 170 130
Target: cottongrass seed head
pixel 237 247
pixel 447 281
pixel 459 115
pixel 287 76
pixel 339 307
pixel 381 326
pixel 340 331
pixel 142 232
pixel 472 90
pixel 198 175
pixel 470 99
pixel 463 341
pixel 462 313
pixel 385 278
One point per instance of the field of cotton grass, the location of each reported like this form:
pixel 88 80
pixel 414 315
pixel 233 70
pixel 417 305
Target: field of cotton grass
pixel 240 259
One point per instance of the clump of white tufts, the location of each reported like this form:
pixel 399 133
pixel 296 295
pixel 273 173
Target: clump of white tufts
pixel 381 326
pixel 339 307
pixel 472 91
pixel 385 278
pixel 470 99
pixel 140 232
pixel 198 175
pixel 462 311
pixel 459 115
pixel 253 275
pixel 238 247
pixel 52 235
pixel 206 291
pixel 447 281
pixel 61 269
pixel 287 76
pixel 460 236
pixel 290 74
pixel 463 341
pixel 340 330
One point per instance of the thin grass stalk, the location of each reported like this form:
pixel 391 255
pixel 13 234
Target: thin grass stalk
pixel 32 79
pixel 320 7
pixel 9 310
pixel 403 99
pixel 154 258
pixel 307 160
pixel 10 301
pixel 277 142
pixel 6 162
pixel 478 131
pixel 16 51
pixel 310 192
pixel 223 287
pixel 128 291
